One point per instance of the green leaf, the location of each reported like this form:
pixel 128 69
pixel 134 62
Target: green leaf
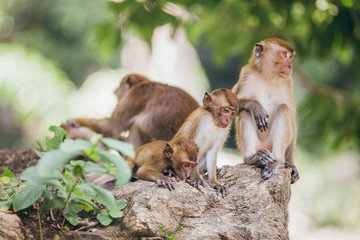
pixel 8 173
pixel 71 217
pixel 40 154
pixel 104 197
pixel 26 196
pixel 92 153
pixel 77 171
pixel 123 174
pixel 105 220
pixel 121 204
pixel 94 168
pixel 49 165
pixel 4 180
pixel 53 143
pixel 5 205
pixel 78 145
pixel 123 147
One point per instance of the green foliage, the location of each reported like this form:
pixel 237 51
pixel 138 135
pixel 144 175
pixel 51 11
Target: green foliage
pixel 230 27
pixel 57 182
pixel 170 235
pixel 8 184
pixel 329 122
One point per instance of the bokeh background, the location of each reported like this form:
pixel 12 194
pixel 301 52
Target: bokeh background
pixel 61 59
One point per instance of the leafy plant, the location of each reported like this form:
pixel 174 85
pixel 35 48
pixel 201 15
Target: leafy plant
pixel 170 235
pixel 57 183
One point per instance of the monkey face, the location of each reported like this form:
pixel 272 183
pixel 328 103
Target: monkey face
pixel 184 166
pixel 224 116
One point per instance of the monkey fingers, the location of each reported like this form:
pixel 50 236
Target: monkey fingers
pixel 196 183
pixel 220 189
pixel 294 172
pixel 172 173
pixel 267 172
pixel 265 157
pixel 166 183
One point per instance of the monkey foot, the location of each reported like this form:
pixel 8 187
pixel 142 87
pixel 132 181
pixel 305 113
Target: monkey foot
pixel 294 172
pixel 269 170
pixel 220 189
pixel 265 158
pixel 172 173
pixel 166 183
pixel 196 183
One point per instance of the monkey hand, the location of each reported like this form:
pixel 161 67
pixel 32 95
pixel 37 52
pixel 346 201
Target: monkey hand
pixel 294 172
pixel 220 189
pixel 260 116
pixel 196 183
pixel 72 123
pixel 166 183
pixel 265 158
pixel 172 173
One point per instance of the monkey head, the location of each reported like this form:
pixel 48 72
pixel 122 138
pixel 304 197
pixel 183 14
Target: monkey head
pixel 273 57
pixel 183 154
pixel 222 103
pixel 128 82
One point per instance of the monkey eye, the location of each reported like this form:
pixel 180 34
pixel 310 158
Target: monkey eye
pixel 284 53
pixel 186 165
pixel 233 113
pixel 226 110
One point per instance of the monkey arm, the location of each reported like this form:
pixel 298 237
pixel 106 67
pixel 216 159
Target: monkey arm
pixel 150 174
pixel 260 114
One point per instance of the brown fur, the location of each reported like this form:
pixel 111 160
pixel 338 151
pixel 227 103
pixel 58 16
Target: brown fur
pixel 149 110
pixel 266 127
pixel 150 160
pixel 203 127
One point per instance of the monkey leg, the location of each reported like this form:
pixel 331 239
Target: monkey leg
pixel 248 142
pixel 281 135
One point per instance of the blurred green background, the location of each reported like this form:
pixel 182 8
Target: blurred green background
pixel 63 59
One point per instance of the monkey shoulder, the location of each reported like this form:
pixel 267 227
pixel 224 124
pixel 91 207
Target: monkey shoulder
pixel 146 151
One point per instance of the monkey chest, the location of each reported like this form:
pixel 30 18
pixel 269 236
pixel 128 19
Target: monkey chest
pixel 210 137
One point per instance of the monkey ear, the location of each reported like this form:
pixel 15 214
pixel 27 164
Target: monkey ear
pixel 131 81
pixel 259 49
pixel 168 151
pixel 207 101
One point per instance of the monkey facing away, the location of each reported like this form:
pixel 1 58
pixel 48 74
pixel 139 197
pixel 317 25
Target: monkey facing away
pixel 266 127
pixel 149 110
pixel 209 126
pixel 154 158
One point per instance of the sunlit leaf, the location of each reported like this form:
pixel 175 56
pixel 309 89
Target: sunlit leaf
pixel 123 147
pixel 49 165
pixel 123 174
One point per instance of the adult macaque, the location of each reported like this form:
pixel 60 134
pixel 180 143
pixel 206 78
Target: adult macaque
pixel 149 110
pixel 209 127
pixel 180 156
pixel 266 127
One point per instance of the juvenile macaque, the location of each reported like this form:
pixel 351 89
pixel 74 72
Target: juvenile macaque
pixel 266 127
pixel 149 110
pixel 180 156
pixel 209 127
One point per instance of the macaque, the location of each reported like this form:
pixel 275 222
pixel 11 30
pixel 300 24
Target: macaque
pixel 266 127
pixel 209 126
pixel 148 110
pixel 179 157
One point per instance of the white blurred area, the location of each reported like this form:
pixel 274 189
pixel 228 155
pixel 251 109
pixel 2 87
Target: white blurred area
pixel 171 60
